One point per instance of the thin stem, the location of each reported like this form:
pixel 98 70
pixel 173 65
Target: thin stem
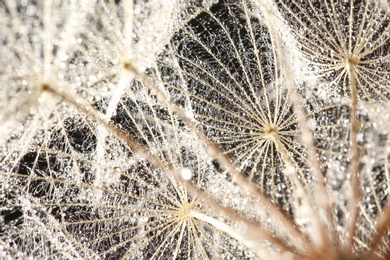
pixel 355 158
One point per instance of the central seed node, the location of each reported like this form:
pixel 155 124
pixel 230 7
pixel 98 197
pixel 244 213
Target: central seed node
pixel 270 132
pixel 352 59
pixel 271 129
pixel 185 212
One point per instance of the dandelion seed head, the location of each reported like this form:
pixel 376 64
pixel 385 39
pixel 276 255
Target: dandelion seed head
pixel 97 162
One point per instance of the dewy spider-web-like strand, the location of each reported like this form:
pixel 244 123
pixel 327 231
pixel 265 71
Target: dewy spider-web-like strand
pixel 117 160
